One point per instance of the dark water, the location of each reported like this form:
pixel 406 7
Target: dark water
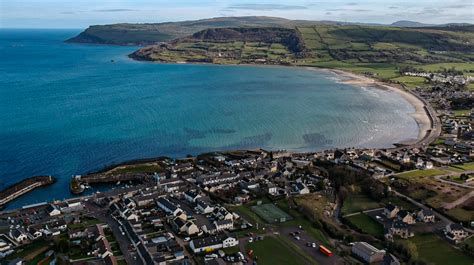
pixel 67 109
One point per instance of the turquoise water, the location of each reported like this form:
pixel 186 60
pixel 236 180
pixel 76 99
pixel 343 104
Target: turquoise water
pixel 67 109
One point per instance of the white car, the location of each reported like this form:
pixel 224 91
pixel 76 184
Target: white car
pixel 186 239
pixel 251 240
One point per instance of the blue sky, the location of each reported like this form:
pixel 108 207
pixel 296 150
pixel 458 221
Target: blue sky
pixel 81 13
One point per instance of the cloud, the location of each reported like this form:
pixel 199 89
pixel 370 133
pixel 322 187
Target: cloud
pixel 393 7
pixel 348 9
pixel 457 6
pixel 352 4
pixel 116 10
pixel 265 7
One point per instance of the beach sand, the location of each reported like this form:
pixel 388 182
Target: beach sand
pixel 420 115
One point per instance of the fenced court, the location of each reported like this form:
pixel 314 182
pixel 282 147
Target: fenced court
pixel 271 213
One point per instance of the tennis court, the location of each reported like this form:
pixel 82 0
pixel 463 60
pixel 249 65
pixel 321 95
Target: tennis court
pixel 271 213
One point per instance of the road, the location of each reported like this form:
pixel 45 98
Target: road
pixel 424 207
pixel 313 252
pixel 440 178
pixel 122 240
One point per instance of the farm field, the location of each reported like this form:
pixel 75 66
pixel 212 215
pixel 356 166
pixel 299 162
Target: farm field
pixel 358 202
pixel 435 250
pixel 421 173
pixel 366 224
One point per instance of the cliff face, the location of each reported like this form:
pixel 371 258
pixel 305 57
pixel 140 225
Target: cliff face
pixel 124 34
pixel 153 33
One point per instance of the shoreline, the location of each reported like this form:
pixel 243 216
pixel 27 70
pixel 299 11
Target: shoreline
pixel 421 116
pixel 424 118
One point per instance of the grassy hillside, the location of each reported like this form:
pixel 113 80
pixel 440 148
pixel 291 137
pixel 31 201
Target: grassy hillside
pixel 145 34
pixel 231 45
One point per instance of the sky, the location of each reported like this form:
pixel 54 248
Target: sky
pixel 82 13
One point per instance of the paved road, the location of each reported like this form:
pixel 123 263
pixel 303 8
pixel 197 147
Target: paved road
pixel 424 207
pixel 440 179
pixel 313 252
pixel 122 240
pixel 365 211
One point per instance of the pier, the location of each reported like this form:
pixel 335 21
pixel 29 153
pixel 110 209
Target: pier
pixel 18 189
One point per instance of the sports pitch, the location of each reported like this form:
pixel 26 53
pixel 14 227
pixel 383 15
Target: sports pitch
pixel 271 213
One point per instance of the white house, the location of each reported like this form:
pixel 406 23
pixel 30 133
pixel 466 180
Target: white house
pixel 53 210
pixel 204 207
pixel 212 243
pixel 18 235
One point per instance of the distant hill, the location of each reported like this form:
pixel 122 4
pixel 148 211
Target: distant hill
pixel 144 34
pixel 410 24
pixel 314 44
pixel 152 33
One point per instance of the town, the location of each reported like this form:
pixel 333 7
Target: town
pixel 412 204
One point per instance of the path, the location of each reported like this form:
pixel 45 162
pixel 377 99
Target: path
pixel 451 205
pixel 424 207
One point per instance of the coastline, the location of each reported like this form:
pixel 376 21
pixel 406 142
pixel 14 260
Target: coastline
pixel 420 115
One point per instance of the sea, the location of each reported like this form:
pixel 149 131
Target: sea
pixel 70 109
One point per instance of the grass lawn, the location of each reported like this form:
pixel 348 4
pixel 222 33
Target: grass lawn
pixel 270 213
pixel 366 224
pixel 462 112
pixel 299 219
pixel 461 214
pixel 422 173
pixel 273 250
pixel 410 81
pixel 140 168
pixel 435 250
pixel 85 222
pixel 463 167
pixel 404 204
pixel 357 203
pixel 30 251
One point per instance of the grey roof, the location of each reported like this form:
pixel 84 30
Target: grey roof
pixel 456 226
pixel 403 213
pixel 166 203
pixel 399 225
pixel 224 222
pixel 211 240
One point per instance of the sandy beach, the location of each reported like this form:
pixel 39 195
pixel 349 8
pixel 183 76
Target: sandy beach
pixel 420 115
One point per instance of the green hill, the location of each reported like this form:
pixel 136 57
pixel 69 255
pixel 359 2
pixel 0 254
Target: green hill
pixel 144 34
